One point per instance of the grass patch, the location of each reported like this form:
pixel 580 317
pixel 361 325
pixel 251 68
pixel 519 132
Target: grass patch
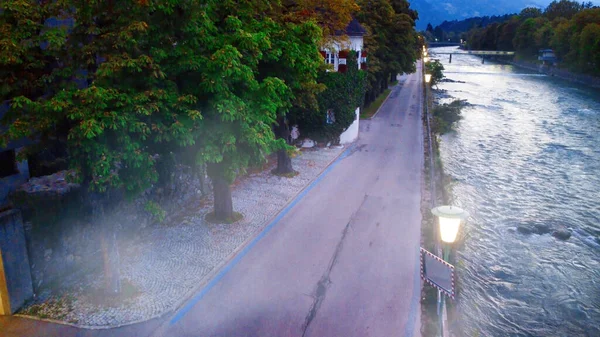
pixel 369 111
pixel 393 83
pixel 210 217
pixel 57 308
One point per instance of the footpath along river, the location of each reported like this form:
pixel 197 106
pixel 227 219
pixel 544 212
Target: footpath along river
pixel 525 154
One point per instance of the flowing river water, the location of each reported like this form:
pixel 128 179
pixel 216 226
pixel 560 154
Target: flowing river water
pixel 526 153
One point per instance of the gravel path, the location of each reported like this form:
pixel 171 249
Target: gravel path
pixel 166 263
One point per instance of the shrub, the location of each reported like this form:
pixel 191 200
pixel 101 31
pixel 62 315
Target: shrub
pixel 445 115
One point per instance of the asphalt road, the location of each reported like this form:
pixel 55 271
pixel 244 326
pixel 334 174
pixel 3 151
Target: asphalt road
pixel 343 261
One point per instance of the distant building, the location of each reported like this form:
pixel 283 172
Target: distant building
pixel 336 54
pixel 547 56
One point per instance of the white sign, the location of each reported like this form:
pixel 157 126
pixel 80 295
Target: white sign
pixel 437 272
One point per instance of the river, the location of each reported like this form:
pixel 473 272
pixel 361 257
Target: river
pixel 526 153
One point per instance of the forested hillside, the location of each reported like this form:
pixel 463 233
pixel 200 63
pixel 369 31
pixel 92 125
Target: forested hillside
pixel 570 28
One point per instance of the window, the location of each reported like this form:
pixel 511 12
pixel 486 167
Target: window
pixel 8 163
pixel 330 58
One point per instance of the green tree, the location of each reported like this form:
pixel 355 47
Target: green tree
pixel 506 34
pixel 28 52
pixel 563 9
pixel 543 35
pixel 436 69
pixel 524 40
pixel 561 40
pixel 589 49
pixel 295 58
pixel 105 95
pixel 530 13
pixel 392 43
pixel 343 94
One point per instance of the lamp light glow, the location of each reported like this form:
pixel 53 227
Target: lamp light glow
pixel 427 78
pixel 450 218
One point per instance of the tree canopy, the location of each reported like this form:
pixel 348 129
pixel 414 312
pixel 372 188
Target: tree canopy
pixel 121 85
pixel 567 27
pixel 391 44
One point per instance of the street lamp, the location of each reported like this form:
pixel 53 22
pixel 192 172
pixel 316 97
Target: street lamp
pixel 426 59
pixel 427 78
pixel 449 218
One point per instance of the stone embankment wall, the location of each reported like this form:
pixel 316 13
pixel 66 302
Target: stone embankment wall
pixel 588 80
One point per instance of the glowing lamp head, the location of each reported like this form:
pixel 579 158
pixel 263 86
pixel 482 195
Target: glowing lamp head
pixel 427 78
pixel 426 59
pixel 450 218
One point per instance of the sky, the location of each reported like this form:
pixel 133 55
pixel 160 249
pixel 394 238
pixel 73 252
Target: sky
pixel 436 11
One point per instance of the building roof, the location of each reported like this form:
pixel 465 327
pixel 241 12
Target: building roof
pixel 355 29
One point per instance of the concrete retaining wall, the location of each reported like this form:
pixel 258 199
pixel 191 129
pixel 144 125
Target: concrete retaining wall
pixel 15 276
pixel 591 81
pixel 351 133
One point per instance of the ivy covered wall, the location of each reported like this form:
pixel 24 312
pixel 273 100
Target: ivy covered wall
pixel 344 92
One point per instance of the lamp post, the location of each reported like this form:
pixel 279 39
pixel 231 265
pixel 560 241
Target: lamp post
pixel 426 59
pixel 449 218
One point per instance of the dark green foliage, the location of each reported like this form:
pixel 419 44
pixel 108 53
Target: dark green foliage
pixel 569 28
pixel 344 93
pixel 436 69
pixel 445 115
pixel 530 13
pixel 392 43
pixel 564 9
pixel 455 29
pixel 524 41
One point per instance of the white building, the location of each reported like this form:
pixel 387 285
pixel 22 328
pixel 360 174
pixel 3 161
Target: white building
pixel 336 55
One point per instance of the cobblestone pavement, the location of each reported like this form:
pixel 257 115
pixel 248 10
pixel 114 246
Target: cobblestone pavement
pixel 165 263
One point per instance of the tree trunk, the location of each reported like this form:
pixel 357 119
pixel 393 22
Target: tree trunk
pixel 284 162
pixel 110 256
pixel 201 172
pixel 392 77
pixel 108 243
pixel 223 203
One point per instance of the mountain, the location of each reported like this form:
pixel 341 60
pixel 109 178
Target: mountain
pixel 461 26
pixel 437 11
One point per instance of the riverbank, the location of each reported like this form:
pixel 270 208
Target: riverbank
pixel 432 195
pixel 587 80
